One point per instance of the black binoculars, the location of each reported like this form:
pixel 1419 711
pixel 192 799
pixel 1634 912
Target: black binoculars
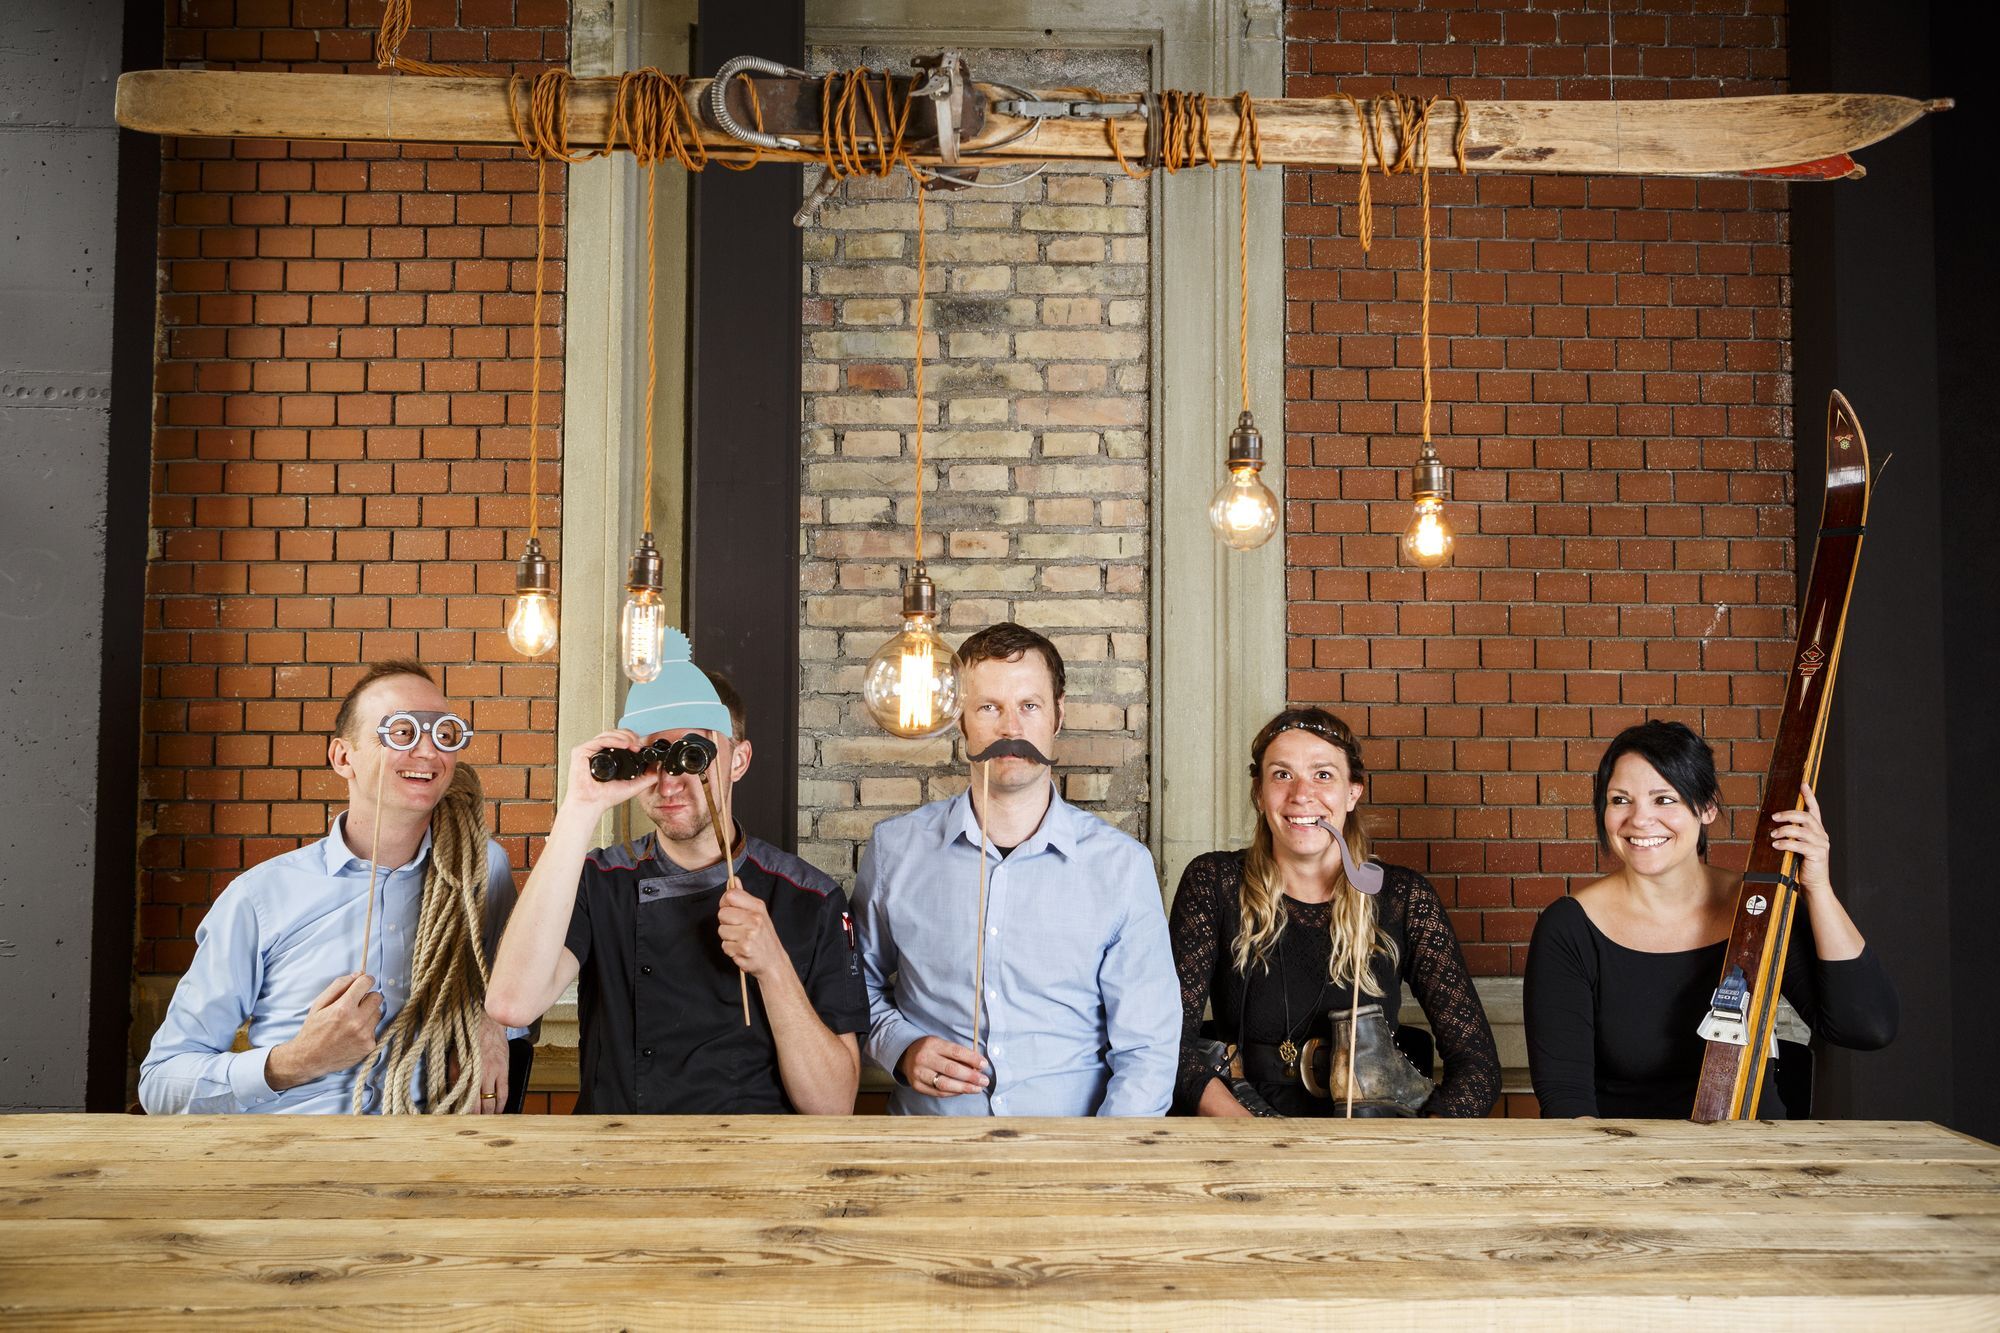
pixel 684 754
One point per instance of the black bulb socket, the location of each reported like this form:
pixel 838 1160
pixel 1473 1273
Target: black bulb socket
pixel 647 568
pixel 919 593
pixel 531 571
pixel 1427 477
pixel 1246 444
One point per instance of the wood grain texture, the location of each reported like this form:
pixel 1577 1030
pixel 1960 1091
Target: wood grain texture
pixel 1800 136
pixel 746 1221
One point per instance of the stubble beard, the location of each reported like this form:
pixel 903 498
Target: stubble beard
pixel 688 827
pixel 1024 777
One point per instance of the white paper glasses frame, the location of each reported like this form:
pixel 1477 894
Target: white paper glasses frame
pixel 402 731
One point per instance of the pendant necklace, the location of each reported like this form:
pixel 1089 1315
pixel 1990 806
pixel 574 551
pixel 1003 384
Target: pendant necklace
pixel 1288 1050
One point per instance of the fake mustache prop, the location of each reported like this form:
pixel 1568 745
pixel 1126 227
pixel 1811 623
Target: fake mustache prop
pixel 1364 875
pixel 1012 748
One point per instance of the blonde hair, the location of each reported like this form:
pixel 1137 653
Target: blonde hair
pixel 1356 937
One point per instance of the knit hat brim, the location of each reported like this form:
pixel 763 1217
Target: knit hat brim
pixel 675 714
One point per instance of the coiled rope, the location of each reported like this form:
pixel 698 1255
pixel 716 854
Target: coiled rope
pixel 438 1026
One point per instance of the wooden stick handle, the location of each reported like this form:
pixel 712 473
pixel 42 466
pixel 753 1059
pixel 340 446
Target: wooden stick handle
pixel 729 869
pixel 374 865
pixel 979 925
pixel 1353 1036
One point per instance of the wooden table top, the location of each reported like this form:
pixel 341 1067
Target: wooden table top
pixel 877 1223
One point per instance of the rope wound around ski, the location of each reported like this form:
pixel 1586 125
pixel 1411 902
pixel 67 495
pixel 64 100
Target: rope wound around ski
pixel 1179 135
pixel 869 122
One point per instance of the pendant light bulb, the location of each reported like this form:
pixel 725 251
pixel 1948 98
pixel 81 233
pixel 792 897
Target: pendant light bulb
pixel 642 627
pixel 912 687
pixel 1244 513
pixel 532 626
pixel 1427 542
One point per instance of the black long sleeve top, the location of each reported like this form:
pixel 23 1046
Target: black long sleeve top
pixel 1612 1030
pixel 1205 918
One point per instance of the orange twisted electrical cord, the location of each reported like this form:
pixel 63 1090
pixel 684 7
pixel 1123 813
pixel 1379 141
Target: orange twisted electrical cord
pixel 1249 144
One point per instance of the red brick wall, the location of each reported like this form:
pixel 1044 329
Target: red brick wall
pixel 340 462
pixel 1613 398
pixel 340 465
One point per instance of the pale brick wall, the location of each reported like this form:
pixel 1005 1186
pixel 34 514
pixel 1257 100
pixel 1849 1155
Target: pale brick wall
pixel 1037 460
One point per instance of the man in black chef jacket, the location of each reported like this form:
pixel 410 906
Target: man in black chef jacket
pixel 657 942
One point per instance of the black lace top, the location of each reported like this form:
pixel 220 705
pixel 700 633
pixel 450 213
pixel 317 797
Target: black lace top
pixel 1204 924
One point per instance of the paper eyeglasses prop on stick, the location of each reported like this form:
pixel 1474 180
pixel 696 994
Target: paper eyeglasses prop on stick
pixel 402 732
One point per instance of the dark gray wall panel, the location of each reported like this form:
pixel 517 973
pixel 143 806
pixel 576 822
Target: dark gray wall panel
pixel 67 884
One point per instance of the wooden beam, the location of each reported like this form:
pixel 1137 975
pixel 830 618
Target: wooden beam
pixel 1806 137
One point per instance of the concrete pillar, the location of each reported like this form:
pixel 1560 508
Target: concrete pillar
pixel 74 437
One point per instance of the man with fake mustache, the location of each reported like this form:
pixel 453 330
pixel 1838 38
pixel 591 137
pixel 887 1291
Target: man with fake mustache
pixel 1014 947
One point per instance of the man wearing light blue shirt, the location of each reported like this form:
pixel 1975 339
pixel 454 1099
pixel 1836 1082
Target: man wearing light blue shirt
pixel 1080 1010
pixel 280 947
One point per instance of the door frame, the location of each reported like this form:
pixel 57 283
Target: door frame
pixel 1217 636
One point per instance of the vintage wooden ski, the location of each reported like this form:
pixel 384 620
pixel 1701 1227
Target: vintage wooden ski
pixel 1745 1006
pixel 1796 137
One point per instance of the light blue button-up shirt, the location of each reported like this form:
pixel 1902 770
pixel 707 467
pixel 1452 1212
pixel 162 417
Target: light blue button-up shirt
pixel 277 937
pixel 1082 1012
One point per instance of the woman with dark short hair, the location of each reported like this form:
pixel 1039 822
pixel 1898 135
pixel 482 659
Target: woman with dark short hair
pixel 1287 947
pixel 1620 975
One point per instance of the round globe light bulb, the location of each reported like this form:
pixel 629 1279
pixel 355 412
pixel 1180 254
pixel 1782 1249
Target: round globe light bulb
pixel 912 685
pixel 1244 512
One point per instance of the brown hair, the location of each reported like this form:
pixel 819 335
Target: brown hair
pixel 725 690
pixel 1355 935
pixel 1676 754
pixel 1007 641
pixel 343 721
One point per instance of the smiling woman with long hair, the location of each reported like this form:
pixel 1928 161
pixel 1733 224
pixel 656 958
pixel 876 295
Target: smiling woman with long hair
pixel 1285 945
pixel 1620 974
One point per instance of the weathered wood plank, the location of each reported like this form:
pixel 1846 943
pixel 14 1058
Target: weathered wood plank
pixel 341 1138
pixel 1800 136
pixel 1804 1312
pixel 55 1265
pixel 1164 1203
pixel 554 1222
pixel 778 1192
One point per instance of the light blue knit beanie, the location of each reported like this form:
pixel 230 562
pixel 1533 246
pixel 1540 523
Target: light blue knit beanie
pixel 680 696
